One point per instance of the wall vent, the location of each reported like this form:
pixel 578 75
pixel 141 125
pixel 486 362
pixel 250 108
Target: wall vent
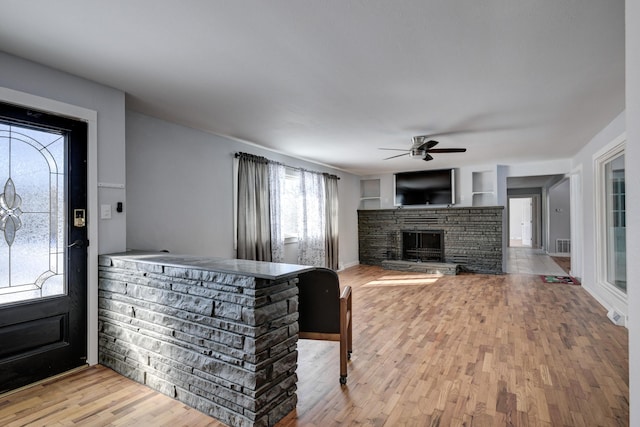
pixel 563 246
pixel 420 220
pixel 616 318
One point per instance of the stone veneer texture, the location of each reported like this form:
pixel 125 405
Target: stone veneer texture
pixel 222 343
pixel 472 235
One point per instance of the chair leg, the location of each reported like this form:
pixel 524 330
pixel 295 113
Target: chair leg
pixel 343 358
pixel 349 332
pixel 345 332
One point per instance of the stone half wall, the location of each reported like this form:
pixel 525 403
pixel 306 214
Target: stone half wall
pixel 472 235
pixel 222 343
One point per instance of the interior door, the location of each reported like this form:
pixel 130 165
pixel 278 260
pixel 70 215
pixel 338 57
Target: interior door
pixel 43 245
pixel 527 217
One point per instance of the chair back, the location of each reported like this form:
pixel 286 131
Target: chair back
pixel 319 301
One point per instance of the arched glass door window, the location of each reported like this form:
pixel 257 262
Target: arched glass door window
pixel 32 213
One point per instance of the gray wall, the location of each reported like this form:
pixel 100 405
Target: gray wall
pixel 559 213
pixel 180 190
pixel 35 79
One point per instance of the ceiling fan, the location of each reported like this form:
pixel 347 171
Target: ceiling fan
pixel 422 148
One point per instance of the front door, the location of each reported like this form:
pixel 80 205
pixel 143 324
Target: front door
pixel 43 245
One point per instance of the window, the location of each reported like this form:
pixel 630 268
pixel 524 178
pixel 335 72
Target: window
pixel 300 206
pixel 611 250
pixel 290 204
pixel 615 223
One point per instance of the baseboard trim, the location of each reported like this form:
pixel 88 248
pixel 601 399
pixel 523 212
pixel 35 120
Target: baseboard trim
pixel 349 265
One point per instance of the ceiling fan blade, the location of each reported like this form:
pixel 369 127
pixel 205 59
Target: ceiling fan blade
pixel 424 145
pixel 399 155
pixel 393 149
pixel 431 144
pixel 448 150
pixel 427 157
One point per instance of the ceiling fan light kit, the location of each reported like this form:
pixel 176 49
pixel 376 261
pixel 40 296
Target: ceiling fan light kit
pixel 416 152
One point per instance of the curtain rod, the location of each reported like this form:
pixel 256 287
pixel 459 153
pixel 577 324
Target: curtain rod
pixel 265 160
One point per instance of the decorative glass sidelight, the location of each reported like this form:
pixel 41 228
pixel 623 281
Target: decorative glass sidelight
pixel 32 213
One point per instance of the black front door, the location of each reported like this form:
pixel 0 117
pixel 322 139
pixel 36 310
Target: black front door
pixel 43 245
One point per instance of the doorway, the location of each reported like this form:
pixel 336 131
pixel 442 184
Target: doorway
pixel 524 221
pixel 520 222
pixel 43 245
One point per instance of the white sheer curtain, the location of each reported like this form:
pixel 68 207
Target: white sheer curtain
pixel 311 220
pixel 277 176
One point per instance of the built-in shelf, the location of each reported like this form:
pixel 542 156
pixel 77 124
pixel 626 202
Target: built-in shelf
pixel 370 194
pixel 483 188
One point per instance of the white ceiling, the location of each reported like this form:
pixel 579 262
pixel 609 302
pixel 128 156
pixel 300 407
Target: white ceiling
pixel 332 81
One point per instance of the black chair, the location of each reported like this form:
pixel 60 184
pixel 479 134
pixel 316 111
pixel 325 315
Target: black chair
pixel 325 313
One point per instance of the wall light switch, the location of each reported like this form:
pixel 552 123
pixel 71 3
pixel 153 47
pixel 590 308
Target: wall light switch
pixel 105 211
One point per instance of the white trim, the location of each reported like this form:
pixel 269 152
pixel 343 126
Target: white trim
pixel 348 265
pixel 577 219
pixel 616 299
pixel 91 117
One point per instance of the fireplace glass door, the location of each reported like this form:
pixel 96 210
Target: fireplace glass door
pixel 423 246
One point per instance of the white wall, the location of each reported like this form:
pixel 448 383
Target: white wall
pixel 632 156
pixel 584 161
pixel 35 79
pixel 180 194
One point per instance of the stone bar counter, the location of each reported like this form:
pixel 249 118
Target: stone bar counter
pixel 219 335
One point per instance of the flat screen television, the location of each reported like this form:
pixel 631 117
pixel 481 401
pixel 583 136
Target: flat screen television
pixel 429 187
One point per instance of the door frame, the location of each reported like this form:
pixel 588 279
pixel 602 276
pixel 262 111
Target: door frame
pixel 91 118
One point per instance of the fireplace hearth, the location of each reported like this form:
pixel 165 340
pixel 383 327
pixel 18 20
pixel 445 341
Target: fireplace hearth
pixel 420 246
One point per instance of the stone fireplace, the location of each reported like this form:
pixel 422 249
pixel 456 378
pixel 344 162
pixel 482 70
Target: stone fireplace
pixel 420 246
pixel 470 237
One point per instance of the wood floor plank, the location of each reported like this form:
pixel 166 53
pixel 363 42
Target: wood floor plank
pixel 468 350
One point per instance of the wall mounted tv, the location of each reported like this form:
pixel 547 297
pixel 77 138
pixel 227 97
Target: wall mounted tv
pixel 429 187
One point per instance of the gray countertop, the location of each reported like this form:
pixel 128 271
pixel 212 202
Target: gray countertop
pixel 259 269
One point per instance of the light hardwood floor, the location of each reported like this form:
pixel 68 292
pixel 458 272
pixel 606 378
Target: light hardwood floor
pixel 468 350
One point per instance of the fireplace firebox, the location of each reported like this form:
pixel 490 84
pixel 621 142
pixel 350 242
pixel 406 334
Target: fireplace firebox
pixel 421 246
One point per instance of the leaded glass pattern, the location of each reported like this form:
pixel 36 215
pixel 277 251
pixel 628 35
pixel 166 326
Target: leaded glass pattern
pixel 32 214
